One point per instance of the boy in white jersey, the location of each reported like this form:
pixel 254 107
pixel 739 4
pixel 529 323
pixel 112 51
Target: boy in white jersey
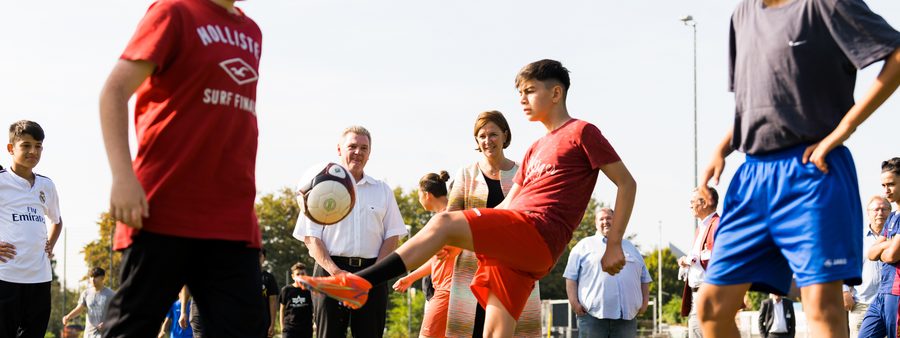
pixel 27 201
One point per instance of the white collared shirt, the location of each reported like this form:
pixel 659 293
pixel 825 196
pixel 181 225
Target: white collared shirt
pixel 606 296
pixel 25 211
pixel 375 217
pixel 871 273
pixel 696 273
pixel 779 322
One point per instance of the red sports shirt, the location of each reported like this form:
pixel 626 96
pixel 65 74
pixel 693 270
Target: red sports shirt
pixel 195 118
pixel 557 177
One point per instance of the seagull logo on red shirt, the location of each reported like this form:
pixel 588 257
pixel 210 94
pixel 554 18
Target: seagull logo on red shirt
pixel 239 71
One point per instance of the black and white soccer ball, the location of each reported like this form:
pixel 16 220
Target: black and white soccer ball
pixel 327 193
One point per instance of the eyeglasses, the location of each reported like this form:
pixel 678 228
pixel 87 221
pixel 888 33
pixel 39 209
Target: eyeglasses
pixel 879 209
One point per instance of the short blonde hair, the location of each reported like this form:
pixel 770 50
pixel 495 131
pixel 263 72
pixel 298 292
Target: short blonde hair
pixel 359 130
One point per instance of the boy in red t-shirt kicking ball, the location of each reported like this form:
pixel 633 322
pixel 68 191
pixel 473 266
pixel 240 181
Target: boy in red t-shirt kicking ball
pixel 523 237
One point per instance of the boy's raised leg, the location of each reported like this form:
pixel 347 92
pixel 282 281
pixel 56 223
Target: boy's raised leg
pixel 450 228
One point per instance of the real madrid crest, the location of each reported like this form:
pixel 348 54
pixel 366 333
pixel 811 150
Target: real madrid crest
pixel 43 198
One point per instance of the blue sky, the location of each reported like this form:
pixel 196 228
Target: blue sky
pixel 416 73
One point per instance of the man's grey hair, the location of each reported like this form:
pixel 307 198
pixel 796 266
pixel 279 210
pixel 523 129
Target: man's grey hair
pixel 882 198
pixel 604 209
pixel 359 130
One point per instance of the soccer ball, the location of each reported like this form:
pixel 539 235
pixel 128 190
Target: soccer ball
pixel 327 193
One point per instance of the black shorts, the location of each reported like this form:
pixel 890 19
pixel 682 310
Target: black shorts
pixel 223 277
pixel 24 309
pixel 297 333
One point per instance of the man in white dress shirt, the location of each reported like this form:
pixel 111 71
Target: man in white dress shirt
pixel 370 232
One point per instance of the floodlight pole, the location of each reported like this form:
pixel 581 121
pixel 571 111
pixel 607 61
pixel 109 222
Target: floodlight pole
pixel 659 283
pixel 689 21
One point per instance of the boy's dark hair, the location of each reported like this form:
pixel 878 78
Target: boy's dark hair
pixel 435 184
pixel 298 267
pixel 544 70
pixel 498 119
pixel 892 166
pixel 96 272
pixel 25 127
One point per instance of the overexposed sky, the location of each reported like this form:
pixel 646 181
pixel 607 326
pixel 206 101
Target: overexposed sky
pixel 416 73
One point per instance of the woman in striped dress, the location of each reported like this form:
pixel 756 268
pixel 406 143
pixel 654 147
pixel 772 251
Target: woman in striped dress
pixel 484 184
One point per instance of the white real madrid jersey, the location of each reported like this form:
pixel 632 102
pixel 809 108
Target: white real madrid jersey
pixel 24 212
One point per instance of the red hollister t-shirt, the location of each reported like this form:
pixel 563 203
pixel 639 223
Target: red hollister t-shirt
pixel 557 177
pixel 195 118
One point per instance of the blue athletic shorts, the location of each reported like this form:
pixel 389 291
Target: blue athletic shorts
pixel 782 218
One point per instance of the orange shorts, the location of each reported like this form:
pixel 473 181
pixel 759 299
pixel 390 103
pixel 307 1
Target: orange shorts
pixel 434 323
pixel 512 255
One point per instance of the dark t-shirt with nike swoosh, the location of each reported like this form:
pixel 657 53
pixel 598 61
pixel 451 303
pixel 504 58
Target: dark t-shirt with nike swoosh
pixel 793 68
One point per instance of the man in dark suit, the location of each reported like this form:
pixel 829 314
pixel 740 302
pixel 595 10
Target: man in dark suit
pixel 776 318
pixel 693 266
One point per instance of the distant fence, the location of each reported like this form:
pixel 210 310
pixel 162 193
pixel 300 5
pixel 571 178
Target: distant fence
pixel 748 325
pixel 559 321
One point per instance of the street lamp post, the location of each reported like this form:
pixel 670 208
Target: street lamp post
pixel 689 21
pixel 65 264
pixel 659 281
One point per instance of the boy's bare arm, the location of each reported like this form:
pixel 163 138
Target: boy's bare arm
pixel 74 313
pixel 509 197
pixel 183 297
pixel 891 253
pixel 55 230
pixel 281 315
pixel 874 253
pixel 881 90
pixel 164 329
pixel 128 202
pixel 626 189
pixel 273 299
pixel 716 164
pixel 7 252
pixel 614 259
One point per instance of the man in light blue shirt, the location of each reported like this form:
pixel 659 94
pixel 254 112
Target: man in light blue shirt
pixel 606 306
pixel 858 298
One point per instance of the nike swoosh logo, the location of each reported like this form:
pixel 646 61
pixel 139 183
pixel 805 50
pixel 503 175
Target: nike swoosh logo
pixel 796 43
